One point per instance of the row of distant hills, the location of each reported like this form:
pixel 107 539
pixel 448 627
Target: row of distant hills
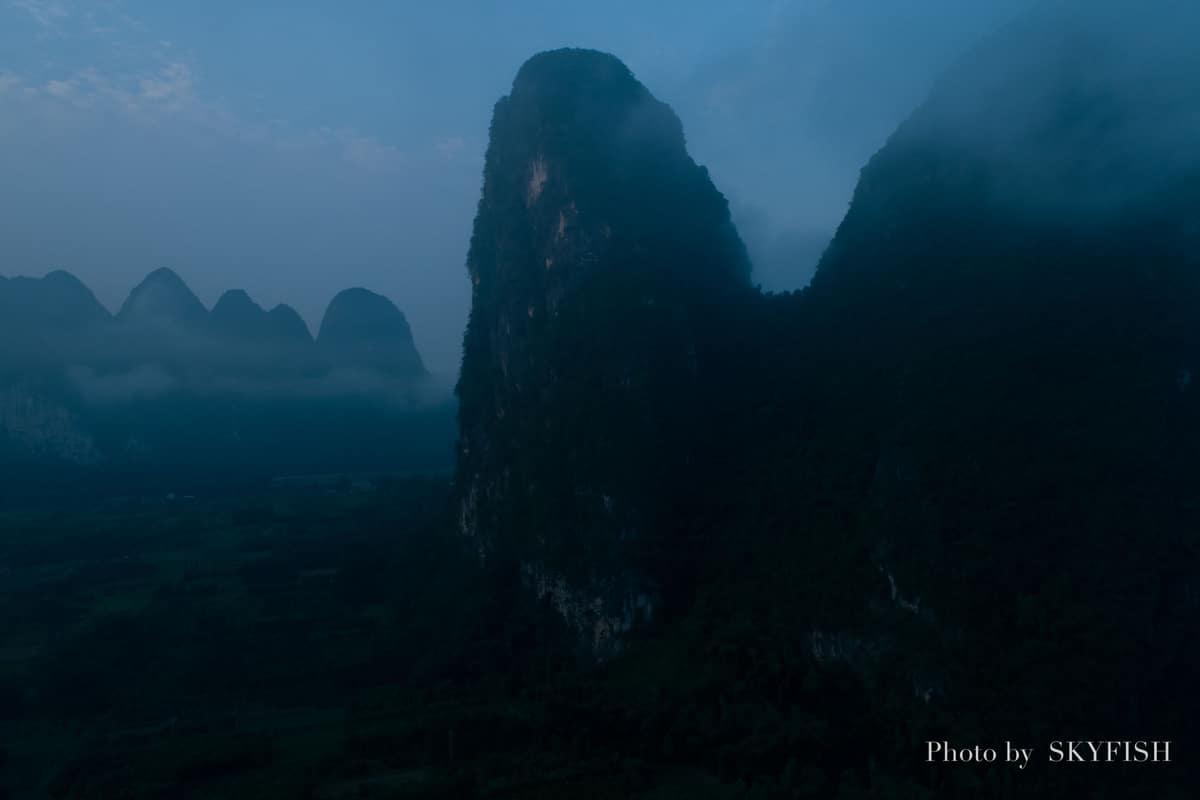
pixel 171 394
pixel 57 320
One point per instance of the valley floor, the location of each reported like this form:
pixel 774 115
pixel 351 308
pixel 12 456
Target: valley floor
pixel 320 639
pixel 279 643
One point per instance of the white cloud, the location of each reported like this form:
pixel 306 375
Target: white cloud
pixel 169 94
pixel 62 89
pixel 168 89
pixel 47 13
pixel 172 83
pixel 139 76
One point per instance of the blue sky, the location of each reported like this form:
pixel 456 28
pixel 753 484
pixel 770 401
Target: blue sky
pixel 296 148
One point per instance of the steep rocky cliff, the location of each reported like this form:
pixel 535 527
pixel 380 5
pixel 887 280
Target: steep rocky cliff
pixel 600 256
pixel 35 424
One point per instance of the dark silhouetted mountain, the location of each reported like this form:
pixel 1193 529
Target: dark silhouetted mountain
pixel 169 386
pixel 1057 139
pixel 600 259
pixel 985 400
pixel 364 329
pixel 1007 321
pixel 55 321
pixel 47 319
pixel 250 341
pixel 237 316
pixel 163 299
pixel 57 300
pixel 286 324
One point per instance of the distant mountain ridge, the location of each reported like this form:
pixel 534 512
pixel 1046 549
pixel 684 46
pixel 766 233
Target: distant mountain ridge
pixel 56 320
pixel 235 315
pixel 167 388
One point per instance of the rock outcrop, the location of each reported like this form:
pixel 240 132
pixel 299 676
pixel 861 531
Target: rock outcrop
pixel 599 254
pixel 42 427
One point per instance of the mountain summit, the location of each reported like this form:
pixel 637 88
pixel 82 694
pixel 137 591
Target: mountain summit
pixel 45 319
pixel 1063 137
pixel 237 316
pixel 163 299
pixel 59 300
pixel 364 329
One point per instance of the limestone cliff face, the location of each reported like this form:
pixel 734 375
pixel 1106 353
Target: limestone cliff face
pixel 43 427
pixel 598 250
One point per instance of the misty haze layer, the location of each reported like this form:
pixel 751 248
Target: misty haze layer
pixel 294 152
pixel 56 322
pixel 169 390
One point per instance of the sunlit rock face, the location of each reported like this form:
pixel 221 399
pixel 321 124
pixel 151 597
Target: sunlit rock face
pixel 598 251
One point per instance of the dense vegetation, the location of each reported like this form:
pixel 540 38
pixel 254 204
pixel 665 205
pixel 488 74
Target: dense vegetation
pixel 330 641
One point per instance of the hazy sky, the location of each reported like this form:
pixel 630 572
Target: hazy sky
pixel 297 148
